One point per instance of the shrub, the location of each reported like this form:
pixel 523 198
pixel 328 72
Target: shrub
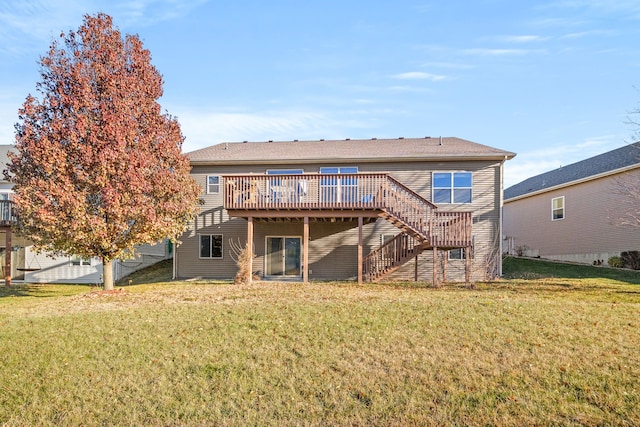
pixel 631 259
pixel 616 261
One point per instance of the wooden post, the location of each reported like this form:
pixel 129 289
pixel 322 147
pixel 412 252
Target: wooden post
pixel 435 267
pixel 360 250
pixel 250 246
pixel 415 270
pixel 445 261
pixel 305 251
pixel 7 257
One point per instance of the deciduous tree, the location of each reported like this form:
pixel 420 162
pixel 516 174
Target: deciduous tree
pixel 98 167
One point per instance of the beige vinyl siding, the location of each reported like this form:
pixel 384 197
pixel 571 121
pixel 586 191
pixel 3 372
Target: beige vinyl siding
pixel 589 231
pixel 333 245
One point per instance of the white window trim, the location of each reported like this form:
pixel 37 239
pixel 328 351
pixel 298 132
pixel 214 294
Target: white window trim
pixel 452 188
pixel 221 249
pixel 210 185
pixel 564 209
pixel 292 171
pixel 83 262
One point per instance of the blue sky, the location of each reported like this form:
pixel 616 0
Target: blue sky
pixel 553 81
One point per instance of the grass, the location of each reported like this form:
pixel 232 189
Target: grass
pixel 549 350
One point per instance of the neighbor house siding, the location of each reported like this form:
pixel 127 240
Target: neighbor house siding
pixel 590 229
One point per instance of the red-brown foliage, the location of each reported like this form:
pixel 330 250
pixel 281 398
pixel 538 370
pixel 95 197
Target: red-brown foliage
pixel 99 167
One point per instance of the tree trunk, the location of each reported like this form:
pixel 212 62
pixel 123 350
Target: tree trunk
pixel 107 274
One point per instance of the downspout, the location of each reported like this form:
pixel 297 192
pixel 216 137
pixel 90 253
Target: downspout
pixel 501 209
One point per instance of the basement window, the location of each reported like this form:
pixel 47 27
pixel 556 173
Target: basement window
pixel 211 246
pixel 76 260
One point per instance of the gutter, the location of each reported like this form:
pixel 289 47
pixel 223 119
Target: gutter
pixel 501 157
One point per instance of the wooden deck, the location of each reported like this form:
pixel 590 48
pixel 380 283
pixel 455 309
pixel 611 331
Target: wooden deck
pixel 352 196
pixel 346 195
pixel 8 214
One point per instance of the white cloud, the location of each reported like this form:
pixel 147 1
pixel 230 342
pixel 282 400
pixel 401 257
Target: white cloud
pixel 202 129
pixel 418 75
pixel 500 52
pixel 27 26
pixel 581 34
pixel 524 39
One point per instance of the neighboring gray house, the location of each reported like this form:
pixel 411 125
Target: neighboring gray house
pixel 27 265
pixel 348 209
pixel 574 213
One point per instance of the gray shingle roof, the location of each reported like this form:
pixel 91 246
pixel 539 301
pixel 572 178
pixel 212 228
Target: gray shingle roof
pixel 347 150
pixel 607 162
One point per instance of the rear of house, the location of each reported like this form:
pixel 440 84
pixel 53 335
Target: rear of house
pixel 398 209
pixel 577 212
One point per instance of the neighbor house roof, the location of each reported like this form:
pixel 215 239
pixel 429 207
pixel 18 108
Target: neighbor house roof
pixel 603 164
pixel 367 150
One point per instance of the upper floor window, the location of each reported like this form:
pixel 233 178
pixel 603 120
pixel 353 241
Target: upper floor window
pixel 452 187
pixel 285 171
pixel 557 208
pixel 213 184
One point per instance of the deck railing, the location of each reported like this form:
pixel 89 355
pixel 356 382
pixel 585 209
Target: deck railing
pixel 451 230
pixel 306 191
pixel 390 255
pixel 8 214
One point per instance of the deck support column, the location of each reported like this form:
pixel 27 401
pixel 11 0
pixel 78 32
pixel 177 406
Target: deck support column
pixel 415 270
pixel 445 261
pixel 250 246
pixel 360 221
pixel 435 266
pixel 467 265
pixel 305 251
pixel 7 257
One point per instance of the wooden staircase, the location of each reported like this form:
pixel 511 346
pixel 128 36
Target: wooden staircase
pixel 422 226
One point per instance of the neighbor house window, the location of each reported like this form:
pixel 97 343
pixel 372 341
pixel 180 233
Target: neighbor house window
pixel 211 246
pixel 452 187
pixel 213 184
pixel 76 260
pixel 557 208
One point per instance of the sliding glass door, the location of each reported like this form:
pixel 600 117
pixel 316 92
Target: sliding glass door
pixel 283 256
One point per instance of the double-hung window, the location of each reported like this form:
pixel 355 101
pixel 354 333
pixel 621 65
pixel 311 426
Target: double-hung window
pixel 557 208
pixel 213 184
pixel 452 187
pixel 211 246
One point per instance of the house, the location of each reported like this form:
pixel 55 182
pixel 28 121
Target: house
pixel 424 209
pixel 575 213
pixel 23 263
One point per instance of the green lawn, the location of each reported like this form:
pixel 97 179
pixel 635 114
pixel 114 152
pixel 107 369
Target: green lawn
pixel 548 347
